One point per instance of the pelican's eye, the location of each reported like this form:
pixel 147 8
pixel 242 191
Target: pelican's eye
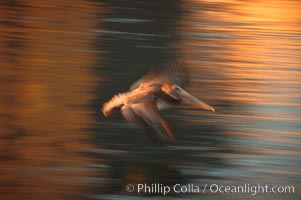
pixel 177 88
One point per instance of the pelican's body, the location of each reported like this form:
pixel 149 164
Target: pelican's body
pixel 140 106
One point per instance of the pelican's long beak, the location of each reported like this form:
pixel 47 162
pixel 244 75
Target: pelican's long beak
pixel 191 100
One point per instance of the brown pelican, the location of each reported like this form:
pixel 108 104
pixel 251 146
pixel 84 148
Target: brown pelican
pixel 153 92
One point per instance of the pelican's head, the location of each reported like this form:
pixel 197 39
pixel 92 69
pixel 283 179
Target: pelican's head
pixel 180 94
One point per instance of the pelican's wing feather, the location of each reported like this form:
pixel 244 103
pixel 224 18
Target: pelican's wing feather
pixel 172 73
pixel 147 115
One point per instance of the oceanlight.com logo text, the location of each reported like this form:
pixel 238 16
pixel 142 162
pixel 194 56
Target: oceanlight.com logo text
pixel 252 189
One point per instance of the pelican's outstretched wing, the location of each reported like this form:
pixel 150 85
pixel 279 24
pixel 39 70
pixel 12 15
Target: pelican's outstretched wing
pixel 172 73
pixel 146 115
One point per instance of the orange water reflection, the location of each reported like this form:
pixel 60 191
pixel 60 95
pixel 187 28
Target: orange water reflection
pixel 45 92
pixel 246 53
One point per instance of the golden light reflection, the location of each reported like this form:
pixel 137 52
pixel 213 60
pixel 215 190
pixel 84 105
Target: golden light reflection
pixel 45 96
pixel 250 57
pixel 246 53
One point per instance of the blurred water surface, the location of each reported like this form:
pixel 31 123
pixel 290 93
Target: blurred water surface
pixel 61 61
